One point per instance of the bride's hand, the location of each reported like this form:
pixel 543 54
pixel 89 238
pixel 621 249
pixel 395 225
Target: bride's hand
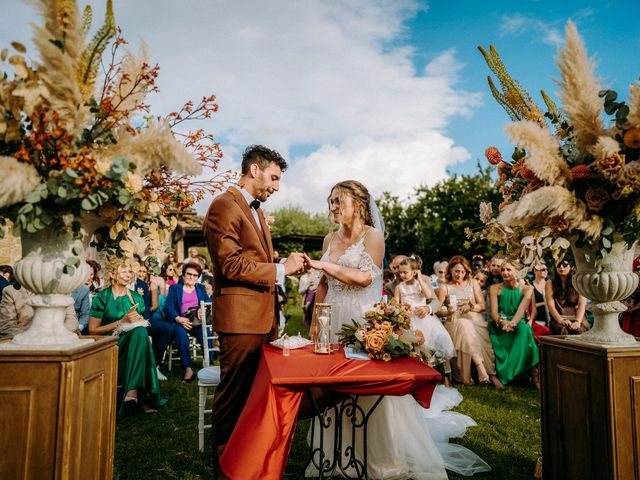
pixel 310 263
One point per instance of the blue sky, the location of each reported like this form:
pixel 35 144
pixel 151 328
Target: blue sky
pixel 389 92
pixel 527 35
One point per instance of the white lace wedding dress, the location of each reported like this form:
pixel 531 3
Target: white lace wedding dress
pixel 405 441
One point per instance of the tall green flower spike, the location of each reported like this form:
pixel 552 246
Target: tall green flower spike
pixel 87 18
pixel 513 98
pixel 91 56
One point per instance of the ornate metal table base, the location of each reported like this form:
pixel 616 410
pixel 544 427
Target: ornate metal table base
pixel 343 456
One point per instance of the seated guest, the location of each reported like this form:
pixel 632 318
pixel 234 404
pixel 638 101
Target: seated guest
pixel 93 281
pixel 540 324
pixel 6 273
pixel 82 304
pixel 462 306
pixel 477 263
pixel 206 278
pixel 16 314
pixel 631 318
pixel 494 270
pixel 113 311
pixel 566 306
pixel 160 331
pixel 439 273
pixel 168 274
pixel 514 347
pixel 481 277
pixel 182 308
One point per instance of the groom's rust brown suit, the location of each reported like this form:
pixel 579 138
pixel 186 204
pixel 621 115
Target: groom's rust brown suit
pixel 244 301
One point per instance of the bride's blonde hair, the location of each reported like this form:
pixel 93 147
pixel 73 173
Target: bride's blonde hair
pixel 360 196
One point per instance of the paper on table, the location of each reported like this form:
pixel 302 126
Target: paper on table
pixel 294 342
pixel 351 355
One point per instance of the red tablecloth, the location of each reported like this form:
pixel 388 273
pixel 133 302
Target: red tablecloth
pixel 261 440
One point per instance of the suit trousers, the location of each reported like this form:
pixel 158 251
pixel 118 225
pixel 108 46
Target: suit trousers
pixel 239 359
pixel 161 332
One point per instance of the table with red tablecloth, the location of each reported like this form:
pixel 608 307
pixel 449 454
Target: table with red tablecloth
pixel 261 440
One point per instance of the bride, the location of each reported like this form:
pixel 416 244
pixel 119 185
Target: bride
pixel 404 440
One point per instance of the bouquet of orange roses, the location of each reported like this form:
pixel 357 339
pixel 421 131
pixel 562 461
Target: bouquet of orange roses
pixel 386 334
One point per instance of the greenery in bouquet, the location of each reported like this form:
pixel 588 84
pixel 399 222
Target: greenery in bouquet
pixel 575 171
pixel 386 334
pixel 78 145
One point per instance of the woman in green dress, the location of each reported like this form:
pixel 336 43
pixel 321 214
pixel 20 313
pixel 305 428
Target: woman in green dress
pixel 113 311
pixel 511 336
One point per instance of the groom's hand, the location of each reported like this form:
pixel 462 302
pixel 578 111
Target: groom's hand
pixel 294 264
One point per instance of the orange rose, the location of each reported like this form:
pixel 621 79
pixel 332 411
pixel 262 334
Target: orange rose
pixel 421 335
pixel 610 164
pixel 375 341
pixel 596 198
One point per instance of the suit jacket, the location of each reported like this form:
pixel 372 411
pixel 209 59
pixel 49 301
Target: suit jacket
pixel 142 289
pixel 245 275
pixel 82 305
pixel 173 303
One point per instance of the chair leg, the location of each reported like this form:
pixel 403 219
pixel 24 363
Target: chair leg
pixel 202 401
pixel 170 355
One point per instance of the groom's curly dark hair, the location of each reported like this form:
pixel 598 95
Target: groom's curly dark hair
pixel 261 156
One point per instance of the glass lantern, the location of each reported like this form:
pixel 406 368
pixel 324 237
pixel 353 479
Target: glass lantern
pixel 322 342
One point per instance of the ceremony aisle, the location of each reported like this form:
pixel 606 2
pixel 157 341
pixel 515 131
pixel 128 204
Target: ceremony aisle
pixel 165 445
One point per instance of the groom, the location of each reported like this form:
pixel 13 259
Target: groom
pixel 244 301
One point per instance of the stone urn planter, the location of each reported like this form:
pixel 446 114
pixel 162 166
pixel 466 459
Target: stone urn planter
pixel 40 271
pixel 616 281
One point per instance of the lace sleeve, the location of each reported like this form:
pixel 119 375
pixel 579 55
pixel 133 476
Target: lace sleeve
pixel 367 264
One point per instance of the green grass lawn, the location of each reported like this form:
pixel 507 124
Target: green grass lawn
pixel 165 445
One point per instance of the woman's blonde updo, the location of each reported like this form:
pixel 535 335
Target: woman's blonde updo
pixel 113 265
pixel 360 196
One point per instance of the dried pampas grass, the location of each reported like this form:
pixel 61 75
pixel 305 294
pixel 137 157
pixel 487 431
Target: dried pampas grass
pixel 580 90
pixel 125 98
pixel 61 20
pixel 17 181
pixel 604 147
pixel 552 201
pixel 634 104
pixel 154 147
pixel 543 157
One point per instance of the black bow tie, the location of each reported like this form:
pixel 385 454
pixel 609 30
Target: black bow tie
pixel 255 204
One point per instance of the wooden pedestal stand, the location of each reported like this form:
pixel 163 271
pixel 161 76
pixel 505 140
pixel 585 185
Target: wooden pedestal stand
pixel 590 410
pixel 57 411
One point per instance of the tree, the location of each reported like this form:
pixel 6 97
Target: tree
pixel 294 220
pixel 434 224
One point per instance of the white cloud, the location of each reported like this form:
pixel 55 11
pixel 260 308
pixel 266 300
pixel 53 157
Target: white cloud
pixel 337 74
pixel 518 24
pixel 394 164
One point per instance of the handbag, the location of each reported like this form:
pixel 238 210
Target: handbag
pixel 192 315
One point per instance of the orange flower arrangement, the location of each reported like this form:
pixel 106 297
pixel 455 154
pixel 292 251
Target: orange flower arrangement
pixel 386 334
pixel 73 144
pixel 571 173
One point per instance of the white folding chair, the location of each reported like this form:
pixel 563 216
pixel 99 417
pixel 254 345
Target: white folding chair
pixel 208 375
pixel 173 354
